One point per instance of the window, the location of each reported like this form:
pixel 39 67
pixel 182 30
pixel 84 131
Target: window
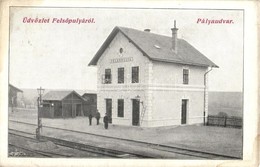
pixel 121 50
pixel 108 77
pixel 135 74
pixel 185 76
pixel 120 75
pixel 120 108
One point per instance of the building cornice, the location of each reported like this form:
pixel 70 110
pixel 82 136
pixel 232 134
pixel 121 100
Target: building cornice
pixel 155 87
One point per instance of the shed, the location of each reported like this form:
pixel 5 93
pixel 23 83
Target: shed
pixel 13 91
pixel 65 104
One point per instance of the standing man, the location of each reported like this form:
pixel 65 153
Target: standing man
pixel 97 117
pixel 90 119
pixel 105 120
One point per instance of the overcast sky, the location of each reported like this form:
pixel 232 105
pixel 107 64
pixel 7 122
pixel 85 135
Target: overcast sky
pixel 56 56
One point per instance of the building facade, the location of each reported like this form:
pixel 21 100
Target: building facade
pixel 150 80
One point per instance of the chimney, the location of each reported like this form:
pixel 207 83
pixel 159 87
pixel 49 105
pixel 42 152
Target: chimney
pixel 147 30
pixel 174 37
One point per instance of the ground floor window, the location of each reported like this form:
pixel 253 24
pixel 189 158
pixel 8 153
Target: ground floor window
pixel 184 110
pixel 120 107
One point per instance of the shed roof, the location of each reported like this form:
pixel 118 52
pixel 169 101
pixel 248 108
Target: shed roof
pixel 59 95
pixel 82 92
pixel 158 48
pixel 15 88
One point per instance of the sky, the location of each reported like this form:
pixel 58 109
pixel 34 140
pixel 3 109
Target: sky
pixel 56 55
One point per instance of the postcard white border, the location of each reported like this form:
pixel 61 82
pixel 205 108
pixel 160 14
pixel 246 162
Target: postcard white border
pixel 250 138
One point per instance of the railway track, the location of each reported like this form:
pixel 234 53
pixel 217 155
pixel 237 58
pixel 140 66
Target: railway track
pixel 40 153
pixel 95 149
pixel 30 137
pixel 78 146
pixel 160 147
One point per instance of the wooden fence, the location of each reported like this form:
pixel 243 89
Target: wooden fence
pixel 235 122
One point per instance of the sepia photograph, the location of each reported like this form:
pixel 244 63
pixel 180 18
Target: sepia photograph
pixel 125 83
pixel 118 83
pixel 107 83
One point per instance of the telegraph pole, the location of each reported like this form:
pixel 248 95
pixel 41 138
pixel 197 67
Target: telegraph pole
pixel 39 123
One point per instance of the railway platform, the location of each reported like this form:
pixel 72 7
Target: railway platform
pixel 223 141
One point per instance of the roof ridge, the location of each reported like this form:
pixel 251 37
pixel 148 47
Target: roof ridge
pixel 145 32
pixel 59 94
pixel 145 42
pixel 60 90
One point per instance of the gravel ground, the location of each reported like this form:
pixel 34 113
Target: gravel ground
pixel 220 140
pixel 45 146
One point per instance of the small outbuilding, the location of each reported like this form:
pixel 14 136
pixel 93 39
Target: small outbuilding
pixel 64 104
pixel 13 91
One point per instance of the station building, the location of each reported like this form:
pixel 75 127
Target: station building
pixel 150 80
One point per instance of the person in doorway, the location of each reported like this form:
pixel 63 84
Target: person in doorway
pixel 105 120
pixel 90 119
pixel 97 117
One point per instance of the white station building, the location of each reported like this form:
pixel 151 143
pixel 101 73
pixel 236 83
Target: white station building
pixel 151 80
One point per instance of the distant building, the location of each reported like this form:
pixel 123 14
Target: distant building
pixel 13 94
pixel 65 104
pixel 150 80
pixel 90 103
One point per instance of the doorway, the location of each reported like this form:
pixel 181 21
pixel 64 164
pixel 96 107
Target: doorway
pixel 109 109
pixel 136 112
pixel 78 110
pixel 184 106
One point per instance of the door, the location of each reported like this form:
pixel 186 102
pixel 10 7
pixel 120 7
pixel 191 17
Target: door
pixel 57 109
pixel 109 109
pixel 67 110
pixel 136 112
pixel 73 110
pixel 184 111
pixel 78 109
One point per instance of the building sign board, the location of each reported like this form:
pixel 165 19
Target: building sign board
pixel 121 60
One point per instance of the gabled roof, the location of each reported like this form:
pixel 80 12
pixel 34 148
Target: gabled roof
pixel 158 48
pixel 59 95
pixel 15 88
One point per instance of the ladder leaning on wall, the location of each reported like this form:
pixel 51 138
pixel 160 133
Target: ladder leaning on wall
pixel 142 114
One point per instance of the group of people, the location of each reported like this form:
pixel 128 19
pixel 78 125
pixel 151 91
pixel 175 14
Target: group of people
pixel 105 119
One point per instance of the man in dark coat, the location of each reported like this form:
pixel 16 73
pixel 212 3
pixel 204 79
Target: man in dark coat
pixel 105 120
pixel 90 119
pixel 97 117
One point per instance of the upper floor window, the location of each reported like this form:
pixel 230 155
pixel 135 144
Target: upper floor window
pixel 120 107
pixel 108 77
pixel 120 75
pixel 185 76
pixel 135 74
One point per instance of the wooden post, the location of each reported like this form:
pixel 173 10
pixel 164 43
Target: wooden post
pixel 40 91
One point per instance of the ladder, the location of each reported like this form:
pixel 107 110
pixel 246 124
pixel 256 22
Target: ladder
pixel 142 114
